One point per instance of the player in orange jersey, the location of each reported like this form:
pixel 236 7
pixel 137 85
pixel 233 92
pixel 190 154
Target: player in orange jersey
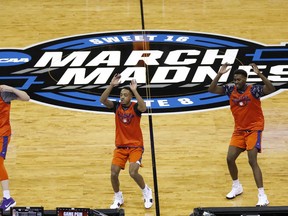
pixel 246 108
pixel 7 94
pixel 128 140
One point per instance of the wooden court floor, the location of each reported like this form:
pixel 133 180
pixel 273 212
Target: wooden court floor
pixel 61 158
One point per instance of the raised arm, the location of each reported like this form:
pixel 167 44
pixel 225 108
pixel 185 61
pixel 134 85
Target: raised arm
pixel 21 95
pixel 268 87
pixel 141 104
pixel 104 97
pixel 214 88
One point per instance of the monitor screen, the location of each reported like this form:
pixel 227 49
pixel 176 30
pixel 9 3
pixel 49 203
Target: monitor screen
pixel 27 211
pixel 72 211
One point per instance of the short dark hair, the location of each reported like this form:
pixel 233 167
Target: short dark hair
pixel 127 88
pixel 241 72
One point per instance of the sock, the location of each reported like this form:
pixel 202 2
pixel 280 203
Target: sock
pixel 145 188
pixel 6 194
pixel 261 191
pixel 236 182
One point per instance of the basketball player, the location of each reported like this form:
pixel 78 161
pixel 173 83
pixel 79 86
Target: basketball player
pixel 7 94
pixel 246 108
pixel 129 139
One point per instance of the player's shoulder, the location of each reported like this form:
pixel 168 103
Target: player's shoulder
pixel 228 88
pixel 257 90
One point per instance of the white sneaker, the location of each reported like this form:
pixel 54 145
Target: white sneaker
pixel 262 200
pixel 118 201
pixel 236 190
pixel 148 198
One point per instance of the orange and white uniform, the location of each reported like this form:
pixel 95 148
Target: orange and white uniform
pixel 5 129
pixel 248 116
pixel 128 138
pixel 128 131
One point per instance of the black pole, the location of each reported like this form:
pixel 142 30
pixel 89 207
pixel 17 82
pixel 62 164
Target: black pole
pixel 154 166
pixel 151 135
pixel 142 15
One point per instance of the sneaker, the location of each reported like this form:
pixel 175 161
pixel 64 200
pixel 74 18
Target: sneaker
pixel 148 198
pixel 118 201
pixel 262 200
pixel 236 190
pixel 7 203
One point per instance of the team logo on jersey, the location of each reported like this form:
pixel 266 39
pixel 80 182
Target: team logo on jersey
pixel 242 101
pixel 126 118
pixel 173 69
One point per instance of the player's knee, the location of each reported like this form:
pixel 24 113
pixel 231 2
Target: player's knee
pixel 230 159
pixel 133 173
pixel 114 174
pixel 252 162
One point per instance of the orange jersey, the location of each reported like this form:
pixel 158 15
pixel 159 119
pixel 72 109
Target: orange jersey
pixel 128 131
pixel 246 110
pixel 5 128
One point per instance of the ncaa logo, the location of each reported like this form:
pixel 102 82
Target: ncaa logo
pixel 173 69
pixel 13 58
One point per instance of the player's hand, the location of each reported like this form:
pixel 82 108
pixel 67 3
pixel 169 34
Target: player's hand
pixel 115 80
pixel 223 69
pixel 133 84
pixel 255 68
